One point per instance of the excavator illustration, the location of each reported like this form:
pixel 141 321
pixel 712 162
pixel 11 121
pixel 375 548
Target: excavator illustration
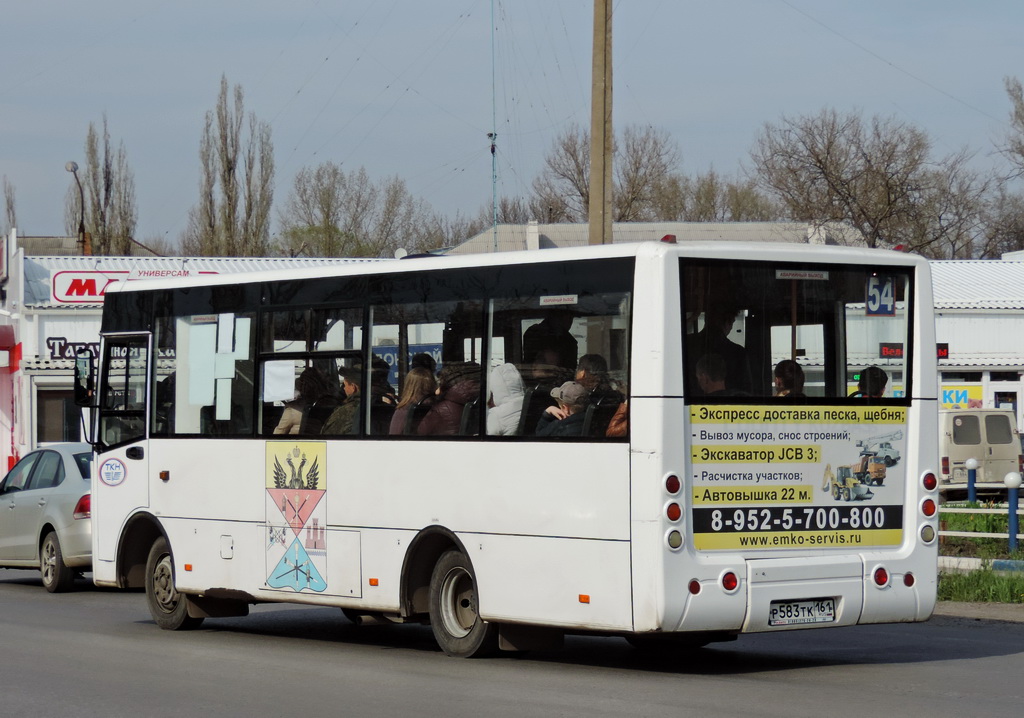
pixel 853 481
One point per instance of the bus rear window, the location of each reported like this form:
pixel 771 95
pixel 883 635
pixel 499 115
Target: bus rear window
pixel 798 332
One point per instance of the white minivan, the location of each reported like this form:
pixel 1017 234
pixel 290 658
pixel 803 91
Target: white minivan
pixel 988 435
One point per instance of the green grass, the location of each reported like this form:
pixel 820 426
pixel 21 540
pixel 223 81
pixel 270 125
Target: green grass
pixel 982 586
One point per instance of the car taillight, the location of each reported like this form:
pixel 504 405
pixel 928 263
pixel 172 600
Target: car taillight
pixel 945 466
pixel 83 509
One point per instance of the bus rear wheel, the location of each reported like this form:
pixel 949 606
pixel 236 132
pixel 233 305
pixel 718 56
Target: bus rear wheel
pixel 168 608
pixel 454 615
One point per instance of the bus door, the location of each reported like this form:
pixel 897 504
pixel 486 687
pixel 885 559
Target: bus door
pixel 122 461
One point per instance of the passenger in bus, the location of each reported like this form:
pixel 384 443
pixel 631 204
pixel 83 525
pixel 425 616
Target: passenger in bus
pixel 382 398
pixel 552 333
pixel 458 390
pixel 506 403
pixel 345 419
pixel 789 379
pixel 872 383
pixel 310 386
pixel 619 423
pixel 423 360
pixel 417 394
pixel 565 419
pixel 380 387
pixel 592 373
pixel 714 339
pixel 711 375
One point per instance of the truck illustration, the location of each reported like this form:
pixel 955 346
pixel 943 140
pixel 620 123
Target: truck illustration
pixel 881 446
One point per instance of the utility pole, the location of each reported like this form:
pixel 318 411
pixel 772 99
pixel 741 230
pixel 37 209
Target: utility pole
pixel 600 204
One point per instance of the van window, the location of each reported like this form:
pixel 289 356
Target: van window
pixel 966 430
pixel 997 429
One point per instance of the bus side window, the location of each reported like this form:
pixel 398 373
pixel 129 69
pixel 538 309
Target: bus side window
pixel 548 353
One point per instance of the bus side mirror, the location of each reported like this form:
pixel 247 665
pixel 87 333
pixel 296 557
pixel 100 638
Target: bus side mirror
pixel 85 382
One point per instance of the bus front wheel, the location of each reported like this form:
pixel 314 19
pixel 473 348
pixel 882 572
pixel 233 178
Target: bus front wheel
pixel 168 608
pixel 454 616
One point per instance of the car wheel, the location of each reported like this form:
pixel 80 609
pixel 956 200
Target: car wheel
pixel 168 608
pixel 454 616
pixel 57 577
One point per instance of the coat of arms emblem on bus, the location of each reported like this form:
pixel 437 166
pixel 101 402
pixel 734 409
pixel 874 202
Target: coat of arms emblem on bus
pixel 294 535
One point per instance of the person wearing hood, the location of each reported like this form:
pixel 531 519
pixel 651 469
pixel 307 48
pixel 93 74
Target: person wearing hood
pixel 506 406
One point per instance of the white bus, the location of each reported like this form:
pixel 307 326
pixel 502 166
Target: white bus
pixel 669 493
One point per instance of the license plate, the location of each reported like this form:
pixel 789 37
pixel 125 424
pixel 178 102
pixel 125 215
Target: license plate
pixel 791 613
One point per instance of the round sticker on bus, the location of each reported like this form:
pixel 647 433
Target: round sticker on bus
pixel 112 472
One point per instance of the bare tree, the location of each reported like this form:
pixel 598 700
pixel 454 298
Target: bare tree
pixel 1003 226
pixel 1013 148
pixel 232 217
pixel 331 213
pixel 108 185
pixel 645 158
pixel 877 176
pixel 709 197
pixel 12 217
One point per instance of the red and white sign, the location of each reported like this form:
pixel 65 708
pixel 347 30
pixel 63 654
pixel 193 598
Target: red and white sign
pixel 83 287
pixel 90 286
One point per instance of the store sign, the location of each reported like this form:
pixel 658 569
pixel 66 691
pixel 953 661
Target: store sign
pixel 83 287
pixel 90 286
pixel 61 348
pixel 888 350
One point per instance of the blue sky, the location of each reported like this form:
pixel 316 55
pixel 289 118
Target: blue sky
pixel 405 88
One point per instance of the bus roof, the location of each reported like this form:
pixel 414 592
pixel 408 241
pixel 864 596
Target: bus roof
pixel 766 251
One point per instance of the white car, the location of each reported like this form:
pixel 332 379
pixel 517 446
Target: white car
pixel 45 514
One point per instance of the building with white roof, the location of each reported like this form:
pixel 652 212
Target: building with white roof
pixel 979 325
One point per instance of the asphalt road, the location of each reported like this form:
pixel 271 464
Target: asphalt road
pixel 95 652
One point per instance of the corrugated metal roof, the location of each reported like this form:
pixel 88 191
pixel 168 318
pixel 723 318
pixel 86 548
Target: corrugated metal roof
pixel 223 265
pixel 978 284
pixel 50 246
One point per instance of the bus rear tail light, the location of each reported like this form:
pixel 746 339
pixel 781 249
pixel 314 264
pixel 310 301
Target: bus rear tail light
pixel 673 484
pixel 675 539
pixel 881 577
pixel 83 509
pixel 908 579
pixel 730 582
pixel 930 481
pixel 928 507
pixel 945 466
pixel 694 587
pixel 927 534
pixel 673 512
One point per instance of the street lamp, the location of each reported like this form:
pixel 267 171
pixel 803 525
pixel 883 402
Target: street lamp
pixel 72 167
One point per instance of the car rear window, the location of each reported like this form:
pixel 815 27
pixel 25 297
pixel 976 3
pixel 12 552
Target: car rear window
pixel 997 429
pixel 966 431
pixel 84 464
